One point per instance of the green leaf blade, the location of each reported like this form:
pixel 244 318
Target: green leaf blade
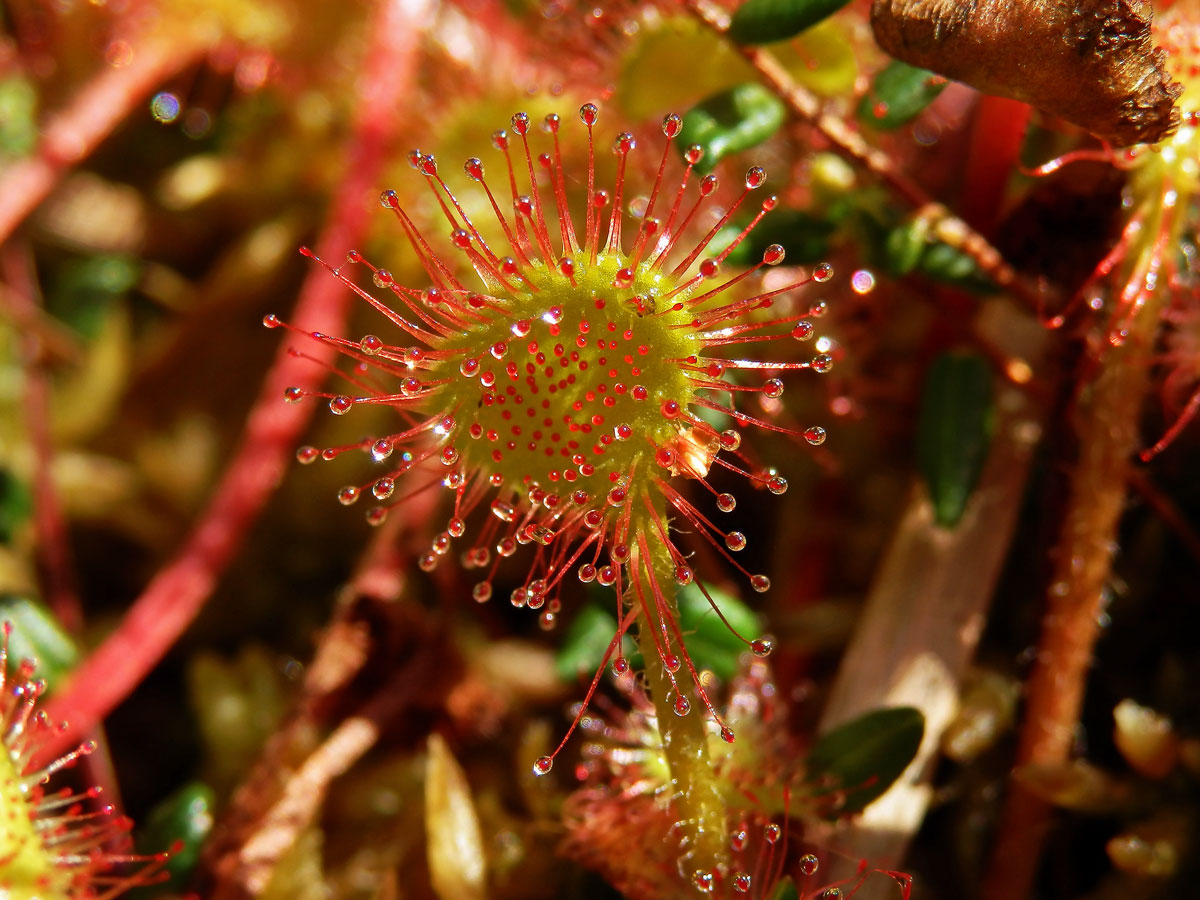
pixel 954 431
pixel 767 21
pixel 865 756
pixel 734 120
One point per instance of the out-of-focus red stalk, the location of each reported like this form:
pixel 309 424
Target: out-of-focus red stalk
pixel 173 598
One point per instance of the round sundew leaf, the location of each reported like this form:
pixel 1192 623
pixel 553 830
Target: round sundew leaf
pixel 737 119
pixel 865 756
pixel 898 95
pixel 37 636
pixel 182 821
pixel 954 431
pixel 766 21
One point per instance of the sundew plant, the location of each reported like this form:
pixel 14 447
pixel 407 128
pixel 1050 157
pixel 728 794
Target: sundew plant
pixel 732 448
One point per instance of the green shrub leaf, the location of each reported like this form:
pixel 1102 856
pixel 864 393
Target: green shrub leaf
pixel 767 21
pixel 733 120
pixel 898 94
pixel 183 822
pixel 38 636
pixel 954 431
pixel 864 757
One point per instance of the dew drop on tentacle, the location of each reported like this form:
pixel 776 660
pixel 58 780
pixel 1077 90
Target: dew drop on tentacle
pixel 306 455
pixel 682 706
pixel 293 394
pixel 735 541
pixel 347 496
pixel 341 404
pixel 760 583
pixel 271 321
pixel 808 864
pixel 762 647
pixel 803 330
pixel 742 882
pixel 822 363
pixel 815 435
pixel 703 881
pixel 543 765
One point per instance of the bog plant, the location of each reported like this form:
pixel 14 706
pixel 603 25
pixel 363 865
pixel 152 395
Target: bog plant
pixel 561 384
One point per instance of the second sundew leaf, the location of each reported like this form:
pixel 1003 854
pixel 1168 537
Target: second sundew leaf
pixel 737 119
pixel 954 431
pixel 864 757
pixel 767 21
pixel 898 95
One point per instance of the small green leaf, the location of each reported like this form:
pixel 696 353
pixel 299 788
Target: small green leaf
pixel 905 246
pixel 767 21
pixel 954 431
pixel 733 120
pixel 864 757
pixel 803 236
pixel 585 643
pixel 944 263
pixel 898 94
pixel 16 505
pixel 181 823
pixel 37 635
pixel 785 889
pixel 710 643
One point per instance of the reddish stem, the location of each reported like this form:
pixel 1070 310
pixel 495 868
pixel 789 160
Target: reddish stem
pixel 173 598
pixel 1108 412
pixel 73 134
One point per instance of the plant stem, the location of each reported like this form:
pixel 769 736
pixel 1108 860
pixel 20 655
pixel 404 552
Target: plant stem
pixel 696 796
pixel 1108 411
pixel 177 593
pixel 847 141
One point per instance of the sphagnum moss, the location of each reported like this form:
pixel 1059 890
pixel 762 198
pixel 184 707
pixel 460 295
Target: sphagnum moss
pixel 569 394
